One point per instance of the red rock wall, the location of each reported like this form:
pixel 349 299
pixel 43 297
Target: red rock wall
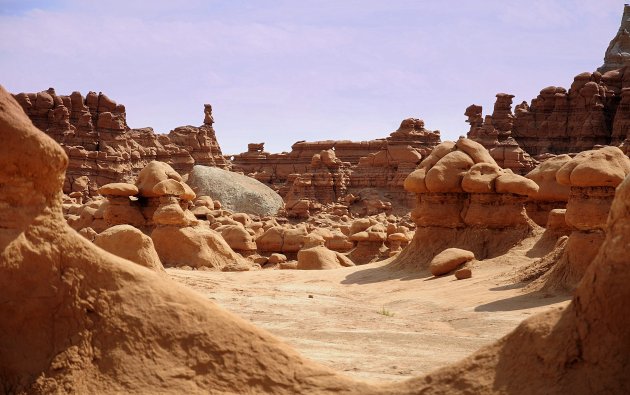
pixel 102 148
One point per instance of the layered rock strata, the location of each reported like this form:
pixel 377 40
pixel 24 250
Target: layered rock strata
pixel 465 200
pixel 103 149
pixel 592 177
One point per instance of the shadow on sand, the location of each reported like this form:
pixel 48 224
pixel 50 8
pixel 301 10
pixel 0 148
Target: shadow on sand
pixel 371 275
pixel 521 302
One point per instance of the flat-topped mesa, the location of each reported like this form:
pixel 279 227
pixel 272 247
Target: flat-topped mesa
pixel 494 133
pixel 465 200
pixel 103 149
pixel 617 54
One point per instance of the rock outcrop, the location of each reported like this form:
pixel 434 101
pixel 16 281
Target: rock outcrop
pixel 76 320
pixel 592 177
pixel 103 149
pixel 494 133
pixel 617 54
pixel 387 169
pixel 465 200
pixel 579 349
pixel 130 243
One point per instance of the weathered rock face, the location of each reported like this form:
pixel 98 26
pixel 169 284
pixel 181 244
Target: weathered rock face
pixel 494 133
pixel 592 177
pixel 276 169
pixel 551 194
pixel 307 181
pixel 618 52
pixel 465 200
pixel 66 303
pixel 103 149
pixel 388 168
pixel 325 182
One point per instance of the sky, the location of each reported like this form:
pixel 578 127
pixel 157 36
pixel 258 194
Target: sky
pixel 288 70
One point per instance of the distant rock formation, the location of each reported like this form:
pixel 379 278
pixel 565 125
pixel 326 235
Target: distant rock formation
pixel 618 52
pixel 594 111
pixel 307 178
pixel 103 149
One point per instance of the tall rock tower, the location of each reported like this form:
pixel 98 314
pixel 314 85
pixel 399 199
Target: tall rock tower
pixel 618 51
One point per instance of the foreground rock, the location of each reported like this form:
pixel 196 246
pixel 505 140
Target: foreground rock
pixel 581 349
pixel 449 260
pixel 130 243
pixel 236 192
pixel 465 200
pixel 592 177
pixel 75 320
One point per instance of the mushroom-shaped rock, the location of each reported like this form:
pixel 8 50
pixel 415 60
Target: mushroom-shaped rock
pixel 194 247
pixel 188 194
pixel 415 181
pixel 604 167
pixel 476 151
pixel 152 174
pixel 313 240
pixel 205 201
pixel 398 237
pixel 449 260
pixel 130 243
pixel 321 258
pixel 170 213
pixel 481 177
pixel 515 184
pixel 237 237
pixel 169 187
pixel 277 258
pixel 446 175
pixel 549 189
pixel 339 242
pixel 118 189
pixel 360 236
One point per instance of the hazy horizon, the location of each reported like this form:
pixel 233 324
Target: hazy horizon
pixel 283 71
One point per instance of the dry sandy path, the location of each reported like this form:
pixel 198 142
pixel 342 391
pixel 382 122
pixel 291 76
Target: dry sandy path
pixel 335 316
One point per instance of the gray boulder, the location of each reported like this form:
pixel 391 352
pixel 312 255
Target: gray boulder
pixel 236 192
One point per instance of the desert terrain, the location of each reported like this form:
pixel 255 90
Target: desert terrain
pixel 133 261
pixel 361 320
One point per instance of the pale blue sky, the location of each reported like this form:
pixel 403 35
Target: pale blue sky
pixel 282 71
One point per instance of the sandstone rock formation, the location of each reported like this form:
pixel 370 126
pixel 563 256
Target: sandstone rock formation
pixel 325 182
pixel 236 192
pixel 387 169
pixel 75 320
pixel 592 177
pixel 465 200
pixel 103 149
pixel 580 349
pixel 308 180
pixel 618 52
pixel 449 260
pixel 551 194
pixel 494 133
pixel 130 243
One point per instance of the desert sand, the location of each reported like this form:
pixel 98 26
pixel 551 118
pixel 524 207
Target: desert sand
pixel 362 320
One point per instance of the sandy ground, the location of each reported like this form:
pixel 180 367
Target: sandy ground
pixel 374 323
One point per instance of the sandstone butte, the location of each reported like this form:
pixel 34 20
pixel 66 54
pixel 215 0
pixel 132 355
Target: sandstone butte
pixel 109 234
